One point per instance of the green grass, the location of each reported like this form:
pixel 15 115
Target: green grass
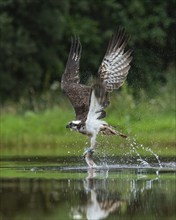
pixel 148 123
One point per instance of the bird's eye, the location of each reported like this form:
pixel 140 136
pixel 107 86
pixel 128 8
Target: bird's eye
pixel 79 126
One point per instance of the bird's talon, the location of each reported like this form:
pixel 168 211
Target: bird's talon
pixel 88 152
pixel 88 157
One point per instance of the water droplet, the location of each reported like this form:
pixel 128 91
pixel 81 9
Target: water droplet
pixel 33 169
pixel 157 172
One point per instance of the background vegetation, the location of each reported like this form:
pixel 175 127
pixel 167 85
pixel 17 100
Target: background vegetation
pixel 35 41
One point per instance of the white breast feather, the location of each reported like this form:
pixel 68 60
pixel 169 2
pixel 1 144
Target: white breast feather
pixel 92 123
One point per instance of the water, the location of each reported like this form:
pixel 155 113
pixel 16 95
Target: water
pixel 50 188
pixel 135 146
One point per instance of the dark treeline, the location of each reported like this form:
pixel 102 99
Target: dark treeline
pixel 35 40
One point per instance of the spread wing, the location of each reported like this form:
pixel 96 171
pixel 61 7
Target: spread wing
pixel 116 63
pixel 78 94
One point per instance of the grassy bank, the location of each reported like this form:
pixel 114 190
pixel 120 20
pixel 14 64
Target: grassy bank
pixel 148 123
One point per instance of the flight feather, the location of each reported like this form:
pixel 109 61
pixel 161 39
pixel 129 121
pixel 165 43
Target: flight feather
pixel 77 93
pixel 116 63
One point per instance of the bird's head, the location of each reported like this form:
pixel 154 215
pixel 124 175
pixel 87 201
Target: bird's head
pixel 75 125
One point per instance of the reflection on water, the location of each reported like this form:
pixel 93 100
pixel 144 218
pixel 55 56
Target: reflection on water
pixel 87 194
pixel 101 202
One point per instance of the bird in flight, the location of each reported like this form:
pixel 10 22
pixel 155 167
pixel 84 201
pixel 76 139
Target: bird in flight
pixel 89 102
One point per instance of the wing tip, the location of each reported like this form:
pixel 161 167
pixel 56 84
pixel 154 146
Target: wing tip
pixel 119 39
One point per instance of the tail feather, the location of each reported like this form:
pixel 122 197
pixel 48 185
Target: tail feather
pixel 108 130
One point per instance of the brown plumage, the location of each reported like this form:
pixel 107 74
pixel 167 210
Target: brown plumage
pixel 78 94
pixel 89 102
pixel 112 72
pixel 116 64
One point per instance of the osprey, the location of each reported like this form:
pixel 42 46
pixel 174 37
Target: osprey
pixel 89 102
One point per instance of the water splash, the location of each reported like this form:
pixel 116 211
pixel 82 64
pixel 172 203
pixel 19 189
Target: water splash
pixel 156 156
pixel 135 147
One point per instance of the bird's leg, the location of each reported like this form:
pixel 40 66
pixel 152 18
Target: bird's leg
pixel 89 152
pixel 93 142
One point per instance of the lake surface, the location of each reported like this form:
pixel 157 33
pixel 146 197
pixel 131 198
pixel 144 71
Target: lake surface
pixel 50 188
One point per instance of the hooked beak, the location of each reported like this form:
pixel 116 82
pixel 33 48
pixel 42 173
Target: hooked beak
pixel 68 126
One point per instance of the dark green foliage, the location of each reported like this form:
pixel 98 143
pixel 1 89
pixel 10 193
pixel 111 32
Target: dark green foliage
pixel 31 32
pixel 35 40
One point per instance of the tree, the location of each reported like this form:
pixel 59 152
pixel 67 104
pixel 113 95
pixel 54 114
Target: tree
pixel 30 39
pixel 35 40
